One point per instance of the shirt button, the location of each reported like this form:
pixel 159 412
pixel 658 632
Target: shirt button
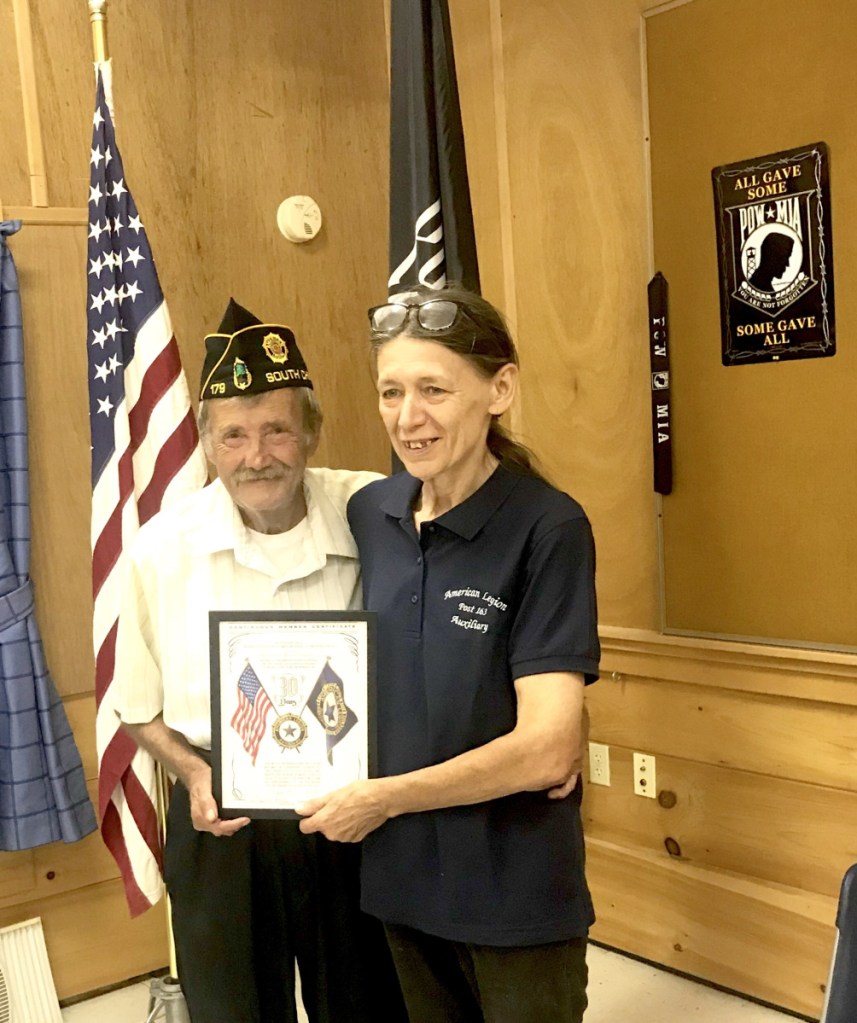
pixel 419 561
pixel 414 598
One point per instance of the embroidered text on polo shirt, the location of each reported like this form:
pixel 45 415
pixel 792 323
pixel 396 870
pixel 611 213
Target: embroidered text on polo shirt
pixel 478 603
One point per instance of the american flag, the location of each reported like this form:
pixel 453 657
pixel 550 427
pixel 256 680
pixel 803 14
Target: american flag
pixel 145 453
pixel 252 711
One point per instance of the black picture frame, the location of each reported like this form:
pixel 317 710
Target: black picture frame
pixel 298 623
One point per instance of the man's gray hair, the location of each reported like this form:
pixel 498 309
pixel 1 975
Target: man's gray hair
pixel 310 408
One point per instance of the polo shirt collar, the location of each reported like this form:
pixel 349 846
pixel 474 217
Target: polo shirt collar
pixel 465 519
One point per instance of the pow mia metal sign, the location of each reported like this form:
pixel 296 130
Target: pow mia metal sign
pixel 775 254
pixel 659 358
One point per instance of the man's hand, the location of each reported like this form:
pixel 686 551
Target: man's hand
pixel 569 785
pixel 347 814
pixel 203 809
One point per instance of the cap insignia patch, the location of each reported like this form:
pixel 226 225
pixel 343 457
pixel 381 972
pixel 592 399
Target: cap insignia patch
pixel 241 375
pixel 275 348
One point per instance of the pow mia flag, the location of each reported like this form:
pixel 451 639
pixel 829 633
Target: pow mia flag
pixel 431 223
pixel 775 253
pixel 660 363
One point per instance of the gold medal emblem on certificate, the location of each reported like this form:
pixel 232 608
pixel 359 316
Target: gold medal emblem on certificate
pixel 330 708
pixel 289 731
pixel 275 348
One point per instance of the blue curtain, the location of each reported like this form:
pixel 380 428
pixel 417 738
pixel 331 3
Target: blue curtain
pixel 43 795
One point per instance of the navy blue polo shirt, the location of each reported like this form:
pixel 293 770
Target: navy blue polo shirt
pixel 500 587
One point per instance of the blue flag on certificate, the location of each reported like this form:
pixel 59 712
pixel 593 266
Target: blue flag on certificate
pixel 327 703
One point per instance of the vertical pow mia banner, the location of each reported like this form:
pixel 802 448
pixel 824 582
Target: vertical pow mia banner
pixel 660 363
pixel 775 253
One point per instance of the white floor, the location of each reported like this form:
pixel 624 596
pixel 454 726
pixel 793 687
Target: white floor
pixel 619 989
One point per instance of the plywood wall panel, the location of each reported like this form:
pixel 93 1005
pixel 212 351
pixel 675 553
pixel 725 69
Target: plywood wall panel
pixel 772 943
pixel 62 49
pixel 477 68
pixel 212 152
pixel 802 741
pixel 726 819
pixel 762 453
pixel 573 97
pixel 14 179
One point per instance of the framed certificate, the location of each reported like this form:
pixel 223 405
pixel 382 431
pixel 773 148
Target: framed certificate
pixel 292 707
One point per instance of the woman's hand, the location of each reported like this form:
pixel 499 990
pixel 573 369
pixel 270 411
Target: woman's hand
pixel 347 814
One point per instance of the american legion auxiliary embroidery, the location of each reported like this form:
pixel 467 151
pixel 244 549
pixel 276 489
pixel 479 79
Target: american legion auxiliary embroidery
pixel 775 254
pixel 471 607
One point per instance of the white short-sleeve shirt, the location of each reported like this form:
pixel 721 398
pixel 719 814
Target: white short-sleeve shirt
pixel 198 556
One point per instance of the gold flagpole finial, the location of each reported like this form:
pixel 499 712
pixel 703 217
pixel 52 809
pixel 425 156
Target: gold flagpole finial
pixel 98 17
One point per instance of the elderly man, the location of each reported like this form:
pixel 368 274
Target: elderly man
pixel 269 533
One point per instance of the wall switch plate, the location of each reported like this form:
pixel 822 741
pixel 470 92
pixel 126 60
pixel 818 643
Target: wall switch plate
pixel 599 763
pixel 645 783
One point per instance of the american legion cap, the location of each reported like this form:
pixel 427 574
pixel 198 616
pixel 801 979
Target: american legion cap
pixel 247 356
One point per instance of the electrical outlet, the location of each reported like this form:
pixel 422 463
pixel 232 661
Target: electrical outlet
pixel 644 775
pixel 599 763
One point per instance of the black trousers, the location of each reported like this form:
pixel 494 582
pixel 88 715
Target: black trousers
pixel 454 982
pixel 246 907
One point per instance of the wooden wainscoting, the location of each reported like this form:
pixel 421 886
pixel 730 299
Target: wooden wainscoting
pixel 732 873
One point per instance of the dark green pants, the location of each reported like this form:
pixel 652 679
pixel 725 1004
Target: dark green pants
pixel 463 983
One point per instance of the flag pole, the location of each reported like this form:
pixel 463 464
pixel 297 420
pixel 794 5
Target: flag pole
pixel 98 20
pixel 163 788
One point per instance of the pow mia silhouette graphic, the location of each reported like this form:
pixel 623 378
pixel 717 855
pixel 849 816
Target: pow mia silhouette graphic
pixel 775 255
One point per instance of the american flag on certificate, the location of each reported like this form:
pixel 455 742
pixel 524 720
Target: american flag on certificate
pixel 251 713
pixel 145 453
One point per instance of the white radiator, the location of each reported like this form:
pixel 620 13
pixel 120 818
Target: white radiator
pixel 27 992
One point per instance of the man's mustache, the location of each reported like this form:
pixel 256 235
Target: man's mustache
pixel 271 472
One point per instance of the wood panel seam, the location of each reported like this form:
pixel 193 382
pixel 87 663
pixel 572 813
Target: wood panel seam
pixel 823 907
pixel 53 216
pixel 30 96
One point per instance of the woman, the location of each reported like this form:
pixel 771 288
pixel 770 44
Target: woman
pixel 482 575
